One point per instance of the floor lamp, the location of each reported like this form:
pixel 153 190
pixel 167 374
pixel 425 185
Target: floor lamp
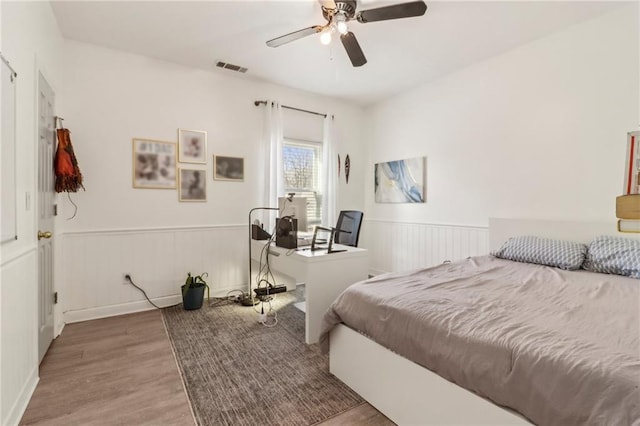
pixel 247 299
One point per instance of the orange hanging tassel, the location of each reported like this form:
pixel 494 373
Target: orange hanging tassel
pixel 68 176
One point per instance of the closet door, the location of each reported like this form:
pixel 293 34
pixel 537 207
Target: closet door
pixel 46 146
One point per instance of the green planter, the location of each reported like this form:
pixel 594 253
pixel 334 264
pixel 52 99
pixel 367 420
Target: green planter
pixel 193 292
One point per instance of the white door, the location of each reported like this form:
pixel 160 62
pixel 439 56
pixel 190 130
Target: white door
pixel 46 146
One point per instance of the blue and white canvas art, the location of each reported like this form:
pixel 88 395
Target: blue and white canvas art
pixel 400 181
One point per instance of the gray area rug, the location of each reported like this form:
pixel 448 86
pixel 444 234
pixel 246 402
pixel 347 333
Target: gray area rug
pixel 239 372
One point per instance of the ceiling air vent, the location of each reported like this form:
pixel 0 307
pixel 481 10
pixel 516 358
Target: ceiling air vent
pixel 231 67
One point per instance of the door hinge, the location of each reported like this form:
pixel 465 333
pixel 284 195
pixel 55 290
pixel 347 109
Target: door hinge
pixel 55 210
pixel 55 298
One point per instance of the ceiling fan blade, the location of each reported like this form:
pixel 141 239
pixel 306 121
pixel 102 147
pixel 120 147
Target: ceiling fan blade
pixel 279 41
pixel 353 49
pixel 396 11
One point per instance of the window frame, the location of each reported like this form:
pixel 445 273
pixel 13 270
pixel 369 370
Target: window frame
pixel 315 207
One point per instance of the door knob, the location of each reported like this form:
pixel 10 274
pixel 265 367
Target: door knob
pixel 45 234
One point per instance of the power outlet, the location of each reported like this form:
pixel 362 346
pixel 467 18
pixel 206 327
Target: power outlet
pixel 124 278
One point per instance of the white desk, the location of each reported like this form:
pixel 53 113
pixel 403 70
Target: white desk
pixel 325 276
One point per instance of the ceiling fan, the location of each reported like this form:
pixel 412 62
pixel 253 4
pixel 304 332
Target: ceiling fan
pixel 339 12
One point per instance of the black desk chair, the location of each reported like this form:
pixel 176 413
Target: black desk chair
pixel 348 228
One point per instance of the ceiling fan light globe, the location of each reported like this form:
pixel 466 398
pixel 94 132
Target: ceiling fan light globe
pixel 340 22
pixel 325 37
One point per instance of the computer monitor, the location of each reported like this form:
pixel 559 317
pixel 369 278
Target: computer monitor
pixel 296 208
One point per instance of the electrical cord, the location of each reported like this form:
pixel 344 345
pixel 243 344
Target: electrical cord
pixel 227 298
pixel 275 320
pixel 75 211
pixel 264 272
pixel 220 299
pixel 233 291
pixel 265 268
pixel 265 275
pixel 266 299
pixel 261 311
pixel 128 278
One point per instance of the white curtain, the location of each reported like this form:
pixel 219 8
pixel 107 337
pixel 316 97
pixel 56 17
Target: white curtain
pixel 330 174
pixel 272 148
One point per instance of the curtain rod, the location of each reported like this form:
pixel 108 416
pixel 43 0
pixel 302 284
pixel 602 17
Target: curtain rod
pixel 256 103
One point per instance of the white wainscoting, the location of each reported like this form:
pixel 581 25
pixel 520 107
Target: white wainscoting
pixel 94 264
pixel 398 246
pixel 19 338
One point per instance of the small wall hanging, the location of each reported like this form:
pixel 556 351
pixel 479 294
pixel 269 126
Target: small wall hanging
pixel 66 169
pixel 68 176
pixel 347 167
pixel 339 165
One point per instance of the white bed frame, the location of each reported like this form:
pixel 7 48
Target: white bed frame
pixel 410 394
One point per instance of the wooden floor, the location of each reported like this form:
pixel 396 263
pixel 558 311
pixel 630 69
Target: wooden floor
pixel 121 371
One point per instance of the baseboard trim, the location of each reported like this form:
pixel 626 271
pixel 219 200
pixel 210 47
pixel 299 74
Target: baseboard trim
pixel 58 329
pixel 119 309
pixel 98 312
pixel 20 406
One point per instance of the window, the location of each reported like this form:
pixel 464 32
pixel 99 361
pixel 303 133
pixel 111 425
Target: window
pixel 302 164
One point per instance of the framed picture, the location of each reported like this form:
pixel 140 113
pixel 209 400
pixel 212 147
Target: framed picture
pixel 228 168
pixel 154 164
pixel 192 146
pixel 400 181
pixel 192 185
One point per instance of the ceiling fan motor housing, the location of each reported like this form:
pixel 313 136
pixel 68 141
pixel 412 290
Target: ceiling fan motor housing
pixel 346 7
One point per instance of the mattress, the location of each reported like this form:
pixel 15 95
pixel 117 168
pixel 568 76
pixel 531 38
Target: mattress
pixel 560 347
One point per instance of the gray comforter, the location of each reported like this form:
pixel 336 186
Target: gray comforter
pixel 560 347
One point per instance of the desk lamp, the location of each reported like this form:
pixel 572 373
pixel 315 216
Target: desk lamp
pixel 247 299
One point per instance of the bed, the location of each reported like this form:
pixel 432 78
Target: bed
pixel 511 342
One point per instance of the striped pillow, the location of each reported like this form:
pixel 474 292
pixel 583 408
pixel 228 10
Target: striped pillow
pixel 544 251
pixel 614 255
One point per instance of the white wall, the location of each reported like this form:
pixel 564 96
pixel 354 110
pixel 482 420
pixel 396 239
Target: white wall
pixel 537 132
pixel 32 43
pixel 111 97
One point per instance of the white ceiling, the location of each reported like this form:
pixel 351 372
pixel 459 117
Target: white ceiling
pixel 401 53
